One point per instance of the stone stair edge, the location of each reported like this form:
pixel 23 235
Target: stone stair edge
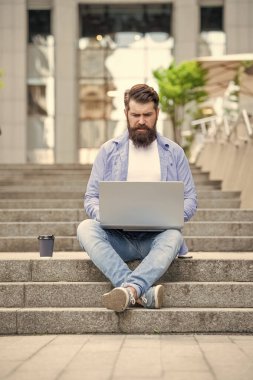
pixel 195 243
pixel 81 255
pixel 88 294
pixel 99 320
pixel 194 222
pixel 106 282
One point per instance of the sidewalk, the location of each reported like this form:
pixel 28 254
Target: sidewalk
pixel 126 357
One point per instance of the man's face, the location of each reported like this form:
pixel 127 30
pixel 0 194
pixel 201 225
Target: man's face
pixel 141 122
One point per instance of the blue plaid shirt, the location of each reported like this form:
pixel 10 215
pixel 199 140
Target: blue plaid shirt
pixel 111 164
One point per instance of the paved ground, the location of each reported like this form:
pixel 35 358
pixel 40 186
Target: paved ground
pixel 126 357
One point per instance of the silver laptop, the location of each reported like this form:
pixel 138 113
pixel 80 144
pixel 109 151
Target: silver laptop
pixel 141 206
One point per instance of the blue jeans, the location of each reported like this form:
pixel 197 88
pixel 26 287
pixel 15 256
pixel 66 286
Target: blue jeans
pixel 111 249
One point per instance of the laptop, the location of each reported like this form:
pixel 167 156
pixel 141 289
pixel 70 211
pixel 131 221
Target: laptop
pixel 141 206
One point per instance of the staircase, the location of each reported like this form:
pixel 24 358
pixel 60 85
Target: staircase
pixel 210 293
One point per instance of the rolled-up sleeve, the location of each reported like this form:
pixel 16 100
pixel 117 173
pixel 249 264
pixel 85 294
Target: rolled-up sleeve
pixel 190 194
pixel 91 198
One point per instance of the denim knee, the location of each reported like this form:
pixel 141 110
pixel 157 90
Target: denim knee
pixel 170 238
pixel 85 230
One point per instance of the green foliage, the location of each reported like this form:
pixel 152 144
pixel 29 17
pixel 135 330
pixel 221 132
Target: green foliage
pixel 181 88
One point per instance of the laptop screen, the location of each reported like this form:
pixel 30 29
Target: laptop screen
pixel 141 205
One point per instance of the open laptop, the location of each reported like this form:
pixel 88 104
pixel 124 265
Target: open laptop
pixel 141 206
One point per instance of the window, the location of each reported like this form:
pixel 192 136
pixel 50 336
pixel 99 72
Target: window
pixel 212 37
pixel 40 87
pixel 211 19
pixel 39 23
pixel 119 45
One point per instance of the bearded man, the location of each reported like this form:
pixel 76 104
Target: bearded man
pixel 140 154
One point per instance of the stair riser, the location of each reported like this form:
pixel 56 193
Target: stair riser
pixel 52 295
pixel 187 321
pixel 61 193
pixel 76 321
pixel 39 182
pixel 69 229
pixel 223 215
pixel 78 295
pixel 75 203
pixel 15 175
pixel 219 203
pixel 55 166
pixel 61 215
pixel 218 229
pixel 78 182
pixel 55 270
pixel 220 244
pixel 53 215
pixel 41 203
pixel 42 172
pixel 195 244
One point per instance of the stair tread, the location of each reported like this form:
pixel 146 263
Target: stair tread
pixel 80 255
pixel 134 309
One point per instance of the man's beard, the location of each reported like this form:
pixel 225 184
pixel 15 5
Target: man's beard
pixel 141 138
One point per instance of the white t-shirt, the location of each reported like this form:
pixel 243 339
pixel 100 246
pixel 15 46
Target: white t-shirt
pixel 144 163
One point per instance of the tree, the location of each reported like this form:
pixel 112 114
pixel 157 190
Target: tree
pixel 181 90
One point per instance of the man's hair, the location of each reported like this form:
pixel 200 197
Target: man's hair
pixel 141 93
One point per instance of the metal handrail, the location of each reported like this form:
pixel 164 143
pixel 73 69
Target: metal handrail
pixel 228 129
pixel 247 124
pixel 204 121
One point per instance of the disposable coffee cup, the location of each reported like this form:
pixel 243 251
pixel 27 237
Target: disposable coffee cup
pixel 46 243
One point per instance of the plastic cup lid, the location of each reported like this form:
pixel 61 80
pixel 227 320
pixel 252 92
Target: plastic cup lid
pixel 46 237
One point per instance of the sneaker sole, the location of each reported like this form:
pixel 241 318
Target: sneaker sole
pixel 159 293
pixel 116 300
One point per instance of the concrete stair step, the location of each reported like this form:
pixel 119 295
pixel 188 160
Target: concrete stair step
pixel 26 170
pixel 78 203
pixel 69 228
pixel 63 193
pixel 219 203
pixel 43 215
pixel 29 166
pixel 132 321
pixel 210 293
pixel 61 215
pixel 70 243
pixel 41 203
pixel 219 243
pixel 208 187
pixel 33 168
pixel 77 267
pixel 88 294
pixel 12 184
pixel 40 181
pixel 218 215
pixel 213 228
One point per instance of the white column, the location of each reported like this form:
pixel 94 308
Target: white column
pixel 186 29
pixel 239 26
pixel 13 94
pixel 65 16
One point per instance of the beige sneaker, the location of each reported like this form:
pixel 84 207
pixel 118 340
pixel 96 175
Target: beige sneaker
pixel 118 299
pixel 153 298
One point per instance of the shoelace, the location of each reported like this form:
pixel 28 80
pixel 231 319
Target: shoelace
pixel 132 299
pixel 144 299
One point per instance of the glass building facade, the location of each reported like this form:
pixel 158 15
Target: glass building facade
pixel 119 45
pixel 66 66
